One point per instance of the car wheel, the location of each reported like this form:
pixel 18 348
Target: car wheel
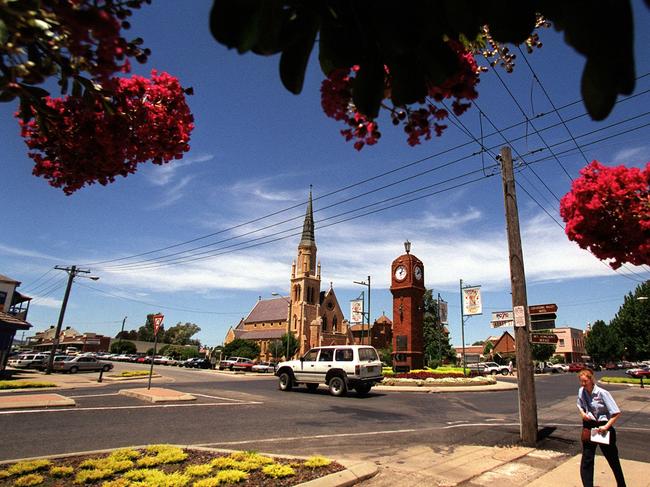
pixel 74 370
pixel 106 368
pixel 312 387
pixel 494 372
pixel 337 386
pixel 504 372
pixel 286 381
pixel 363 389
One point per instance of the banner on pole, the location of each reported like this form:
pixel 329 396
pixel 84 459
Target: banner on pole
pixel 472 301
pixel 157 323
pixel 356 311
pixel 442 311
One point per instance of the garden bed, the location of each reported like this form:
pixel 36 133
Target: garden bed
pixel 166 465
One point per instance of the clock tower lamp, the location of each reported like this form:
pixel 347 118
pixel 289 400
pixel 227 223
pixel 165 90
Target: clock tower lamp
pixel 407 288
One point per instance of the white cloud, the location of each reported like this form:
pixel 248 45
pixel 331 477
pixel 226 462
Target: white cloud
pixel 6 249
pixel 631 156
pixel 46 302
pixel 174 193
pixel 166 173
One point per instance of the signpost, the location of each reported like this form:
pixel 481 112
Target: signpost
pixel 157 324
pixel 542 316
pixel 548 338
pixel 502 318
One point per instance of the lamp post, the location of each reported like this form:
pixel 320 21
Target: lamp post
pixel 288 318
pixel 72 273
pixel 367 284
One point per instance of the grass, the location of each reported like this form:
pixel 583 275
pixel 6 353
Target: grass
pixel 22 384
pixel 623 380
pixel 133 373
pixel 167 466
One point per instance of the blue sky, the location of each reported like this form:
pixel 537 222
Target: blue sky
pixel 254 152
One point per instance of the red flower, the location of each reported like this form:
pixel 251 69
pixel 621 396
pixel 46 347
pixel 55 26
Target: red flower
pixel 608 212
pixel 87 142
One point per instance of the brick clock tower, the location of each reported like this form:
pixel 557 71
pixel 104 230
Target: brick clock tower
pixel 407 288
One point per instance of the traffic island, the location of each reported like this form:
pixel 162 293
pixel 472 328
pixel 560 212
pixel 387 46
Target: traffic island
pixel 157 394
pixel 20 401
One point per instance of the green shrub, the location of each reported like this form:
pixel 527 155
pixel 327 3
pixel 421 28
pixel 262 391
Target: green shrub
pixel 60 472
pixel 90 476
pixel 29 479
pixel 117 483
pixel 164 454
pixel 21 384
pixel 125 454
pixel 21 468
pixel 148 477
pixel 4 474
pixel 622 380
pixel 133 373
pixel 199 470
pixel 278 471
pixel 317 461
pixel 227 463
pixel 251 457
pixel 222 477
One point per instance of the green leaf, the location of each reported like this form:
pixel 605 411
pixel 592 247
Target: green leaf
pixel 234 23
pixel 294 59
pixel 339 46
pixel 271 22
pixel 511 20
pixel 368 89
pixel 4 32
pixel 408 84
pixel 598 88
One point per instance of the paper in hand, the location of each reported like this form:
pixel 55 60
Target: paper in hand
pixel 597 437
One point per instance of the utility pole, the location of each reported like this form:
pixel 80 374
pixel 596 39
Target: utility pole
pixel 367 284
pixel 119 341
pixel 525 377
pixel 72 273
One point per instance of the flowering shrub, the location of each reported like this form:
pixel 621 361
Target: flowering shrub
pixel 336 100
pixel 607 212
pixel 145 119
pixel 426 375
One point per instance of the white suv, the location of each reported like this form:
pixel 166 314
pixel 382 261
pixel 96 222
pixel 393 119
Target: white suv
pixel 340 367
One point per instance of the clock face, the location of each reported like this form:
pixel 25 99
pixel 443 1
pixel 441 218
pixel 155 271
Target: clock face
pixel 418 273
pixel 400 273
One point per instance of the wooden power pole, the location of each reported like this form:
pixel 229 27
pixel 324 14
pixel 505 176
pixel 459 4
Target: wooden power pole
pixel 525 373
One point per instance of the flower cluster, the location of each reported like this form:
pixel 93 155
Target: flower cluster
pixel 88 141
pixel 336 101
pixel 608 212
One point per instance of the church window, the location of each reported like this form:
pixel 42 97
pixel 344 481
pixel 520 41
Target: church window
pixel 324 323
pixel 296 293
pixel 334 323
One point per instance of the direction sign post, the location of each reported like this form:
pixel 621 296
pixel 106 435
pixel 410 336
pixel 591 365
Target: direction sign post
pixel 157 324
pixel 546 338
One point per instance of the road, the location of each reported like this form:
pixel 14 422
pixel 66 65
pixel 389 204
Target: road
pixel 250 413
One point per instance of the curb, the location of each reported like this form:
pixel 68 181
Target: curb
pixel 36 400
pixel 355 471
pixel 157 394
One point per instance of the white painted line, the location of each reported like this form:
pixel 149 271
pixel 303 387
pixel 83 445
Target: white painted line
pixel 217 397
pixel 61 410
pixel 96 395
pixel 457 422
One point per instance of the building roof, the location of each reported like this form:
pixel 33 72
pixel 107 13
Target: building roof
pixel 267 310
pixel 11 321
pixel 384 319
pixel 20 298
pixel 4 278
pixel 269 334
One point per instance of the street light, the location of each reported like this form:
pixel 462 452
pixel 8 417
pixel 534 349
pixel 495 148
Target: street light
pixel 72 273
pixel 367 284
pixel 288 318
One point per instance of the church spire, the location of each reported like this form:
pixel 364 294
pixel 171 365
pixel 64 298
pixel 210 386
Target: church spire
pixel 308 238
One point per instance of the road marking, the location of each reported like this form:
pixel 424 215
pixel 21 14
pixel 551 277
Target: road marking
pixel 457 422
pixel 95 395
pixel 102 408
pixel 216 397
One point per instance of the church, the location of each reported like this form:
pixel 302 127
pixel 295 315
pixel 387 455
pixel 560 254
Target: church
pixel 313 316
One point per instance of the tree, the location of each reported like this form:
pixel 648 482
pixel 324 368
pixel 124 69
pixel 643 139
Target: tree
pixel 406 57
pixel 181 334
pixel 145 332
pixel 603 343
pixel 436 341
pixel 241 348
pixel 632 323
pixel 123 346
pixel 542 351
pixel 178 352
pixel 607 212
pixel 276 349
pixel 293 345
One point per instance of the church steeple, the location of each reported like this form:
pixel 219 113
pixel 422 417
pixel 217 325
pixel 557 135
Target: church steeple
pixel 308 238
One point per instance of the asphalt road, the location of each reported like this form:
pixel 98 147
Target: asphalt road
pixel 250 413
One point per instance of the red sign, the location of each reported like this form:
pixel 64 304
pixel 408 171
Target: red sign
pixel 543 338
pixel 157 323
pixel 540 309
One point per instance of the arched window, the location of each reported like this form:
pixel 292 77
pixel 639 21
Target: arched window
pixel 296 292
pixel 334 323
pixel 324 327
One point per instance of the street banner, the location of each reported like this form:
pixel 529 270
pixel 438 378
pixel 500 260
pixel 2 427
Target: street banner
pixel 472 301
pixel 442 310
pixel 356 311
pixel 157 322
pixel 502 319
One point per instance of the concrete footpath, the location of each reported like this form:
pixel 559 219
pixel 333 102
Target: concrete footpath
pixel 458 465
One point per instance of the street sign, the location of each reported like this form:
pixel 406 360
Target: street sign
pixel 543 338
pixel 539 309
pixel 501 319
pixel 157 323
pixel 520 316
pixel 542 316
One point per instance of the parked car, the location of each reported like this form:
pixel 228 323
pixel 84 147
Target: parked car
pixel 230 362
pixel 548 367
pixel 640 372
pixel 264 367
pixel 28 360
pixel 165 360
pixel 592 366
pixel 476 368
pixel 197 363
pixel 244 365
pixel 79 363
pixel 43 364
pixel 576 366
pixel 339 367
